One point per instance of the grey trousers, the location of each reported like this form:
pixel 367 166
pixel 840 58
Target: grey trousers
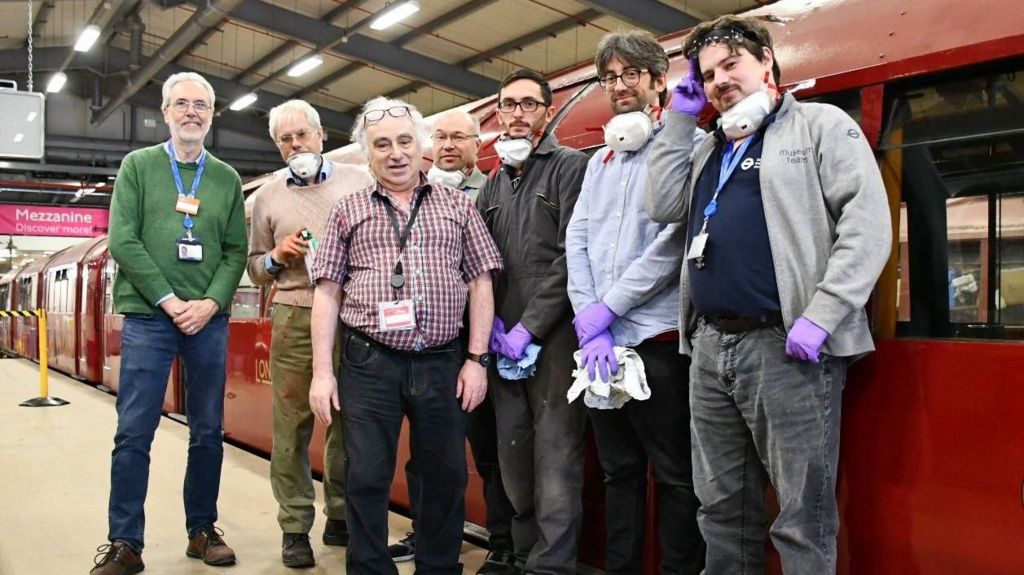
pixel 540 453
pixel 759 416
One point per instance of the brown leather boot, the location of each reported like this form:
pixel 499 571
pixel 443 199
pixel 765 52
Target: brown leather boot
pixel 116 558
pixel 207 545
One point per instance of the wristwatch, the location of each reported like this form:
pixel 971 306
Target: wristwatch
pixel 483 359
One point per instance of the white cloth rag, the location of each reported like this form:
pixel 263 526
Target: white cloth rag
pixel 630 382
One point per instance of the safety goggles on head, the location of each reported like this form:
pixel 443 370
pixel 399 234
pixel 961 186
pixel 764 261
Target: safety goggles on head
pixel 378 115
pixel 729 36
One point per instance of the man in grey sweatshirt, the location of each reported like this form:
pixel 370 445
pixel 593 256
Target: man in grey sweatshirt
pixel 788 228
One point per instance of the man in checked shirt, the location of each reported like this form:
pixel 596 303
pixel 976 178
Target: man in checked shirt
pixel 397 263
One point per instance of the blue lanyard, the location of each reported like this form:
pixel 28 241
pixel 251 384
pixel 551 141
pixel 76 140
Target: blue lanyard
pixel 187 223
pixel 732 158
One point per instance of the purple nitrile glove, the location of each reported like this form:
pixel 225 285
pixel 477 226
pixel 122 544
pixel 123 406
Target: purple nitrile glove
pixel 599 352
pixel 516 341
pixel 497 336
pixel 805 340
pixel 592 320
pixel 688 96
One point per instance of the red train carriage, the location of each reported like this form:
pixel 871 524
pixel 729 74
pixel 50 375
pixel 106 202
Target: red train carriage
pixel 6 289
pixel 27 294
pixel 64 301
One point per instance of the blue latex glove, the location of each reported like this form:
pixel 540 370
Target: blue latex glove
pixel 497 336
pixel 516 340
pixel 688 97
pixel 805 340
pixel 592 320
pixel 599 353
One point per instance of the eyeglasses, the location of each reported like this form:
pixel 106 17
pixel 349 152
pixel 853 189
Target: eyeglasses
pixel 456 138
pixel 630 77
pixel 528 105
pixel 287 139
pixel 181 105
pixel 378 115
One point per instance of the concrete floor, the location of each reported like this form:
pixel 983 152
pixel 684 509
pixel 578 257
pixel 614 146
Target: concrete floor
pixel 55 476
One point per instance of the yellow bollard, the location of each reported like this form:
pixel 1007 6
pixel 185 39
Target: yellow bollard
pixel 44 399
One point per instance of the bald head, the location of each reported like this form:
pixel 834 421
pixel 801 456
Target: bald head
pixel 456 137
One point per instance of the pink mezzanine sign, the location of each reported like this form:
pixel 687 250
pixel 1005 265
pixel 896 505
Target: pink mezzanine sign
pixel 24 220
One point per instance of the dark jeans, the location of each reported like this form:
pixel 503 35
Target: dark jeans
pixel 655 430
pixel 378 387
pixel 540 446
pixel 148 348
pixel 483 441
pixel 761 416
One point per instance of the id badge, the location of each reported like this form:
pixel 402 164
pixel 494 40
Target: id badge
pixel 190 250
pixel 397 315
pixel 187 205
pixel 697 246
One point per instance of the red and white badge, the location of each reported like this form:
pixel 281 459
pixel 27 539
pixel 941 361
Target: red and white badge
pixel 187 205
pixel 397 315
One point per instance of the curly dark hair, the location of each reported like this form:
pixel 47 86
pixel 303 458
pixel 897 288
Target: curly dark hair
pixel 737 32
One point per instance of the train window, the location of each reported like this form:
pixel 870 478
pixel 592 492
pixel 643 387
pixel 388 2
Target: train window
pixel 108 282
pixel 961 144
pixel 5 296
pixel 246 303
pixel 848 102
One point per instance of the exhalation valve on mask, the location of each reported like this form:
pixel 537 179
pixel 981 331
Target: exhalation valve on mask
pixel 746 116
pixel 628 132
pixel 513 151
pixel 304 164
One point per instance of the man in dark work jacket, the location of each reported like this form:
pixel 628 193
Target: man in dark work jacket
pixel 527 206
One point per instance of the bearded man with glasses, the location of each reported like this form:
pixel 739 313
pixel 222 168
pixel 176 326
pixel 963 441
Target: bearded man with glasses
pixel 399 260
pixel 527 206
pixel 179 263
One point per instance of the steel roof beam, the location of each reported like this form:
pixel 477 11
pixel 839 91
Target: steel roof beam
pixel 649 14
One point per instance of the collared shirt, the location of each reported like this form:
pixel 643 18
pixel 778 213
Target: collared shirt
pixel 615 252
pixel 473 182
pixel 447 247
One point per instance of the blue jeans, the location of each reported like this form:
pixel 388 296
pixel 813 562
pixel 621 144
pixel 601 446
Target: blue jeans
pixel 148 348
pixel 758 416
pixel 378 388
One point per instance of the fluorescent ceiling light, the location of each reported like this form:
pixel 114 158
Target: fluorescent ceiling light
pixel 31 117
pixel 394 14
pixel 243 102
pixel 87 38
pixel 18 137
pixel 305 65
pixel 57 82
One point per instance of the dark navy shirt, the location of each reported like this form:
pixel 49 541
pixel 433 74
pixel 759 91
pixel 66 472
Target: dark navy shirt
pixel 738 277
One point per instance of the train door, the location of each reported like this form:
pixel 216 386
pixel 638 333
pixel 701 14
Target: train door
pixel 248 400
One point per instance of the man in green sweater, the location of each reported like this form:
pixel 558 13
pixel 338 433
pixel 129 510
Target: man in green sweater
pixel 290 206
pixel 177 233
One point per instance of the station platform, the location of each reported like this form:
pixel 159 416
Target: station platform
pixel 55 482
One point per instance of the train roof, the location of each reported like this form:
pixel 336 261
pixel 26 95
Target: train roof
pixel 75 253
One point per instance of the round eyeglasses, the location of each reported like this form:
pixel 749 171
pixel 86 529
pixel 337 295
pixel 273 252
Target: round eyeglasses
pixel 630 77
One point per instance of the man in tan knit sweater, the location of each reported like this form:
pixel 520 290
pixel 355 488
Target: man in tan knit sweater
pixel 297 202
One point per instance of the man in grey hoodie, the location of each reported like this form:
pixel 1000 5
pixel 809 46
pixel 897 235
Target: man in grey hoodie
pixel 788 228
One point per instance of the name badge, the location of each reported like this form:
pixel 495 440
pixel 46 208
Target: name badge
pixel 187 205
pixel 397 315
pixel 190 250
pixel 697 246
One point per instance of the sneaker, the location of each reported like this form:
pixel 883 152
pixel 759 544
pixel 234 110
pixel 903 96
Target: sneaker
pixel 208 545
pixel 116 558
pixel 295 550
pixel 336 533
pixel 404 550
pixel 498 561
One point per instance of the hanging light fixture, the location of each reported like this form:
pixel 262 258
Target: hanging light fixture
pixel 243 102
pixel 87 38
pixel 57 82
pixel 305 65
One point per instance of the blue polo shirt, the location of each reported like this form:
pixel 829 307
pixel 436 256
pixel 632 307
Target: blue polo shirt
pixel 738 277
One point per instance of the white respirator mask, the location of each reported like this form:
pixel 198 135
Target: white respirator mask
pixel 514 152
pixel 628 132
pixel 747 115
pixel 305 165
pixel 452 179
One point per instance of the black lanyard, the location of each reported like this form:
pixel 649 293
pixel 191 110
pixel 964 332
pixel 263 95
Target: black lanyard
pixel 398 277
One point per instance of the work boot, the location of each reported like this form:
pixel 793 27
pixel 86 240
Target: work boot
pixel 116 558
pixel 336 533
pixel 207 545
pixel 295 550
